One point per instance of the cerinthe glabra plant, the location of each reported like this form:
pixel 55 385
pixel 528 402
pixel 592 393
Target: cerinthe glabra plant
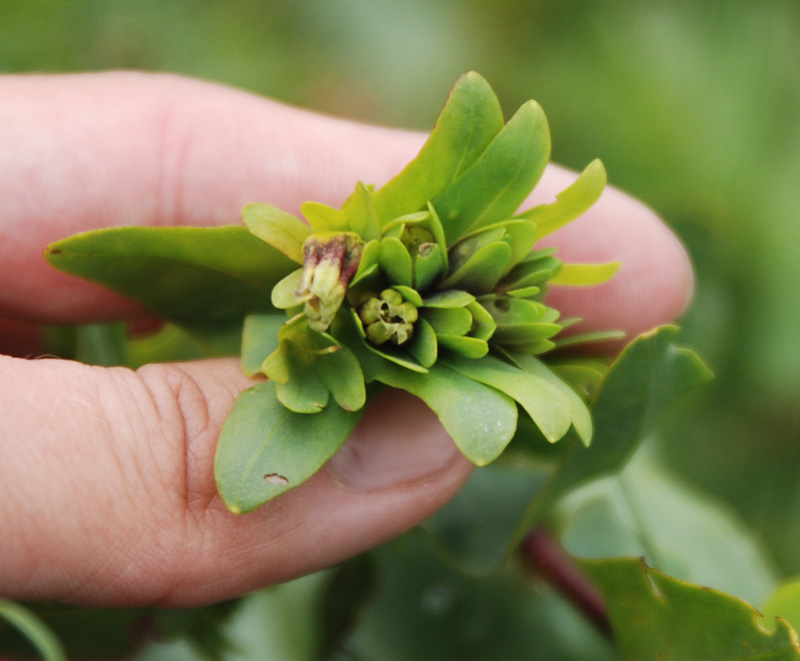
pixel 430 284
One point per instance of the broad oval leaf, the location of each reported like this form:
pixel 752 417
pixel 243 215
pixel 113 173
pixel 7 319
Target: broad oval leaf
pixel 265 449
pixel 480 419
pixel 544 402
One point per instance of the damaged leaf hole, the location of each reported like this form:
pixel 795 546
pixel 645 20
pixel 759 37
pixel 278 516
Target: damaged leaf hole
pixel 275 478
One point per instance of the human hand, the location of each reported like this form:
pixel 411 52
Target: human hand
pixel 108 495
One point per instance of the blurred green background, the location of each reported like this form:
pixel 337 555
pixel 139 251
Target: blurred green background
pixel 693 106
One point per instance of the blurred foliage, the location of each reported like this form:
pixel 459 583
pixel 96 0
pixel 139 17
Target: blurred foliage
pixel 693 107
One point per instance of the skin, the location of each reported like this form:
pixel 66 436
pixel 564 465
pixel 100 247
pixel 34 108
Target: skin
pixel 107 494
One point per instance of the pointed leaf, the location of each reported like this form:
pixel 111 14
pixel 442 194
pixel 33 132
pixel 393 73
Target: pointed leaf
pixel 196 277
pixel 265 449
pixel 368 262
pixel 360 214
pixel 480 419
pixel 469 120
pixel 324 218
pixel 579 411
pixel 570 203
pixel 278 228
pixel 585 275
pixel 492 189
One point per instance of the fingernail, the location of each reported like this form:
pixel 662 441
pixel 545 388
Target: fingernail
pixel 398 442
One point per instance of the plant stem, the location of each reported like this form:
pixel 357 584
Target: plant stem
pixel 549 560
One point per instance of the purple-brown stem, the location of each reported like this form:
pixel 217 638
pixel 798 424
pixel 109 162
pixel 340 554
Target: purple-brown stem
pixel 546 557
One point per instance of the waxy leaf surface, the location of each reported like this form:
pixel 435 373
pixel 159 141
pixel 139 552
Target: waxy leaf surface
pixel 203 279
pixel 656 617
pixel 265 449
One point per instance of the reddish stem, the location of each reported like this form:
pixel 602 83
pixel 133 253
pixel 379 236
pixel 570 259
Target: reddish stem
pixel 546 557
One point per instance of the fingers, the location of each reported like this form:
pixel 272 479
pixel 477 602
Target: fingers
pixel 86 151
pixel 113 500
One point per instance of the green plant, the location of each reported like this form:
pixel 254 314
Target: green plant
pixel 430 284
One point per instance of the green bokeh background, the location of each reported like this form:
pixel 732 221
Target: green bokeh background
pixel 693 106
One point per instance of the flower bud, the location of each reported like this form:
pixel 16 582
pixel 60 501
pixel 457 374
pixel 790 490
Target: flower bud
pixel 387 317
pixel 330 260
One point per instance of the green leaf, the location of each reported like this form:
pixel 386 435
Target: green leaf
pixel 428 267
pixel 368 262
pixel 265 449
pixel 449 299
pixel 341 373
pixel 199 278
pixel 259 340
pixel 482 270
pixel 480 419
pixel 422 609
pixel 570 203
pixel 544 402
pixel 395 262
pixel 278 228
pixel 585 275
pixel 469 120
pixel 784 603
pixel 657 617
pixel 492 189
pixel 324 218
pixel 645 511
pixel 34 630
pixel 284 292
pixel 470 347
pixel 448 321
pixel 359 210
pixel 579 411
pixel 649 375
pixel 424 346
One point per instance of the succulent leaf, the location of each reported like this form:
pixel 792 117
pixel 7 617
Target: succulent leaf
pixel 280 229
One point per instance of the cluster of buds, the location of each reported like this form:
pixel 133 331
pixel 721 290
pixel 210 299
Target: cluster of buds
pixel 387 317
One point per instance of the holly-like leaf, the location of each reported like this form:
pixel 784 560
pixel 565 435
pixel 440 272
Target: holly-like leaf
pixel 784 603
pixel 650 374
pixel 265 449
pixel 480 419
pixel 646 511
pixel 656 617
pixel 468 122
pixel 203 279
pixel 492 189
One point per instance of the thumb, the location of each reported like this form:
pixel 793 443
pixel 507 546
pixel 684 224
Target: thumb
pixel 112 499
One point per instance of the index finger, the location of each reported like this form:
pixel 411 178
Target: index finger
pixel 87 151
